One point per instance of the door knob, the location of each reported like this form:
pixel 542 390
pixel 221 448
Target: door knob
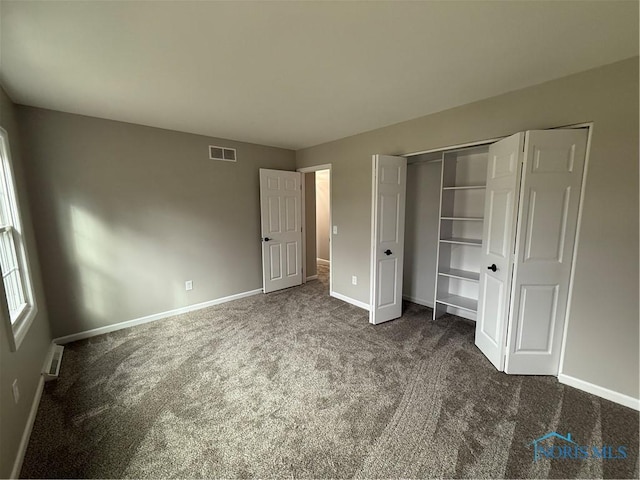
pixel 493 268
pixel 266 239
pixel 388 252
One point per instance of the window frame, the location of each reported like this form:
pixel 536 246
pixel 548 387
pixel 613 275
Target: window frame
pixel 17 330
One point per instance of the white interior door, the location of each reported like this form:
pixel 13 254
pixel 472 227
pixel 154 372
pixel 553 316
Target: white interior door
pixel 498 242
pixel 281 219
pixel 387 249
pixel 549 200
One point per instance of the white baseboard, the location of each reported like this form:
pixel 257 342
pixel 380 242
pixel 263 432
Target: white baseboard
pixel 603 392
pixel 350 300
pixel 24 441
pixel 152 318
pixel 322 261
pixel 312 277
pixel 424 303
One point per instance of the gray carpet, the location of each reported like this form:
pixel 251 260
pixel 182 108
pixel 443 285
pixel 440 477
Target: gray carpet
pixel 298 384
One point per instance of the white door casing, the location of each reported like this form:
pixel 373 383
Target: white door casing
pixel 387 239
pixel 499 233
pixel 549 201
pixel 281 229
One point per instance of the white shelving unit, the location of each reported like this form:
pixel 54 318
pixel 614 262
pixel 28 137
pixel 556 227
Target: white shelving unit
pixel 462 196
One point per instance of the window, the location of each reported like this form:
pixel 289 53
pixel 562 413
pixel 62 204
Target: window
pixel 20 308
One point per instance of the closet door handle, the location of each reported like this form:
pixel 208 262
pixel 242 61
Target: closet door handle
pixel 266 239
pixel 493 268
pixel 388 252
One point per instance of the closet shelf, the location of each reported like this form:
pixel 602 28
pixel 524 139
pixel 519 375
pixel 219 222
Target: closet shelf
pixel 458 301
pixel 470 219
pixel 462 199
pixel 468 187
pixel 462 274
pixel 463 241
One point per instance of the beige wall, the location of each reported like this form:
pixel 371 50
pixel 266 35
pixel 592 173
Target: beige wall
pixel 422 216
pixel 310 223
pixel 125 214
pixel 322 214
pixel 602 337
pixel 25 364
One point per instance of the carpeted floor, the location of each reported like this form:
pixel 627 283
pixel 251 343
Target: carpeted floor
pixel 298 384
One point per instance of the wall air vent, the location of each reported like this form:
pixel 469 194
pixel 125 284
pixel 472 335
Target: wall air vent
pixel 222 153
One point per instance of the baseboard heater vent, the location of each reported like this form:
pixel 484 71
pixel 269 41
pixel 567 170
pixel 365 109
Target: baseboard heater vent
pixel 54 360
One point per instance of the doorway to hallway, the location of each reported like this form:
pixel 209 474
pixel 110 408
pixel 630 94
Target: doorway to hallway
pixel 317 226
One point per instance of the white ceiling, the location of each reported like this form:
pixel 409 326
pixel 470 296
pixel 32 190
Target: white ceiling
pixel 296 74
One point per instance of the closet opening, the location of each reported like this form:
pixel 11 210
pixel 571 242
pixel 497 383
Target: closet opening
pixel 442 245
pixel 486 232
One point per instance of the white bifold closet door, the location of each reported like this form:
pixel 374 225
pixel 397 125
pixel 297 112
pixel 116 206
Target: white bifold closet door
pixel 498 240
pixel 531 210
pixel 387 239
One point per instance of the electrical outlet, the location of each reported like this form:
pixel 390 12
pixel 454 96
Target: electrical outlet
pixel 354 280
pixel 16 391
pixel 335 229
pixel 188 285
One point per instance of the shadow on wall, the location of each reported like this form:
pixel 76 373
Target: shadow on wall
pixel 117 273
pixel 114 255
pixel 92 246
